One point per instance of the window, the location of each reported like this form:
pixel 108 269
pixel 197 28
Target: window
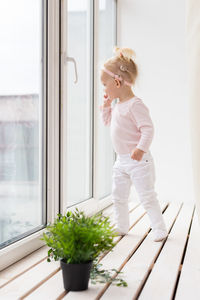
pixel 22 199
pixel 49 126
pixel 79 101
pixel 87 171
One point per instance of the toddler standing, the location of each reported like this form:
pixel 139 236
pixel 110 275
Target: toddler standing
pixel 132 131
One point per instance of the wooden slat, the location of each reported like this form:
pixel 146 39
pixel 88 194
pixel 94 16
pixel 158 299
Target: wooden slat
pixel 189 282
pixel 166 268
pixel 51 289
pixel 22 265
pixel 120 254
pixel 136 269
pixel 29 280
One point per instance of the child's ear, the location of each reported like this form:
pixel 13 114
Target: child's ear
pixel 117 83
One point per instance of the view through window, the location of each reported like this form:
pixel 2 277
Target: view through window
pixel 22 205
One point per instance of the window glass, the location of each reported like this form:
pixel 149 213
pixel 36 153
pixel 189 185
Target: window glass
pixel 79 102
pixel 22 205
pixel 107 41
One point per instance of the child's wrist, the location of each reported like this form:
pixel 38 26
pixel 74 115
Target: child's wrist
pixel 107 105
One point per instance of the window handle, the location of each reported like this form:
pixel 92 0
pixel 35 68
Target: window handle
pixel 71 59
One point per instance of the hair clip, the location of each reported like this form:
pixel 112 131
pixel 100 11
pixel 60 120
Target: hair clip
pixel 116 76
pixel 123 68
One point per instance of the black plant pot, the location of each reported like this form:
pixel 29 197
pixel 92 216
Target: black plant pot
pixel 76 276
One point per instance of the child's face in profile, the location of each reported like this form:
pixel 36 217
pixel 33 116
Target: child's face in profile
pixel 110 85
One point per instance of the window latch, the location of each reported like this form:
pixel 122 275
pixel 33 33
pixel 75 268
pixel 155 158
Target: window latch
pixel 71 59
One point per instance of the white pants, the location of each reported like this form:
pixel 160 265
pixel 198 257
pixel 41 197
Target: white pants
pixel 141 174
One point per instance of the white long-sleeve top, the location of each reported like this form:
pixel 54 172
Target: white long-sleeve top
pixel 130 125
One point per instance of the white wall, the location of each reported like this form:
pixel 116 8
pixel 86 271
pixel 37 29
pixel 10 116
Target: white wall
pixel 193 63
pixel 156 31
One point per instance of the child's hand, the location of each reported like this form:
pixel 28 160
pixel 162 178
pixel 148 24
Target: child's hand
pixel 107 101
pixel 137 154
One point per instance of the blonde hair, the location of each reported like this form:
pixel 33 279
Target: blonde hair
pixel 123 64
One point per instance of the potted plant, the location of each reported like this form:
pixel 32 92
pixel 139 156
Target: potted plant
pixel 77 240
